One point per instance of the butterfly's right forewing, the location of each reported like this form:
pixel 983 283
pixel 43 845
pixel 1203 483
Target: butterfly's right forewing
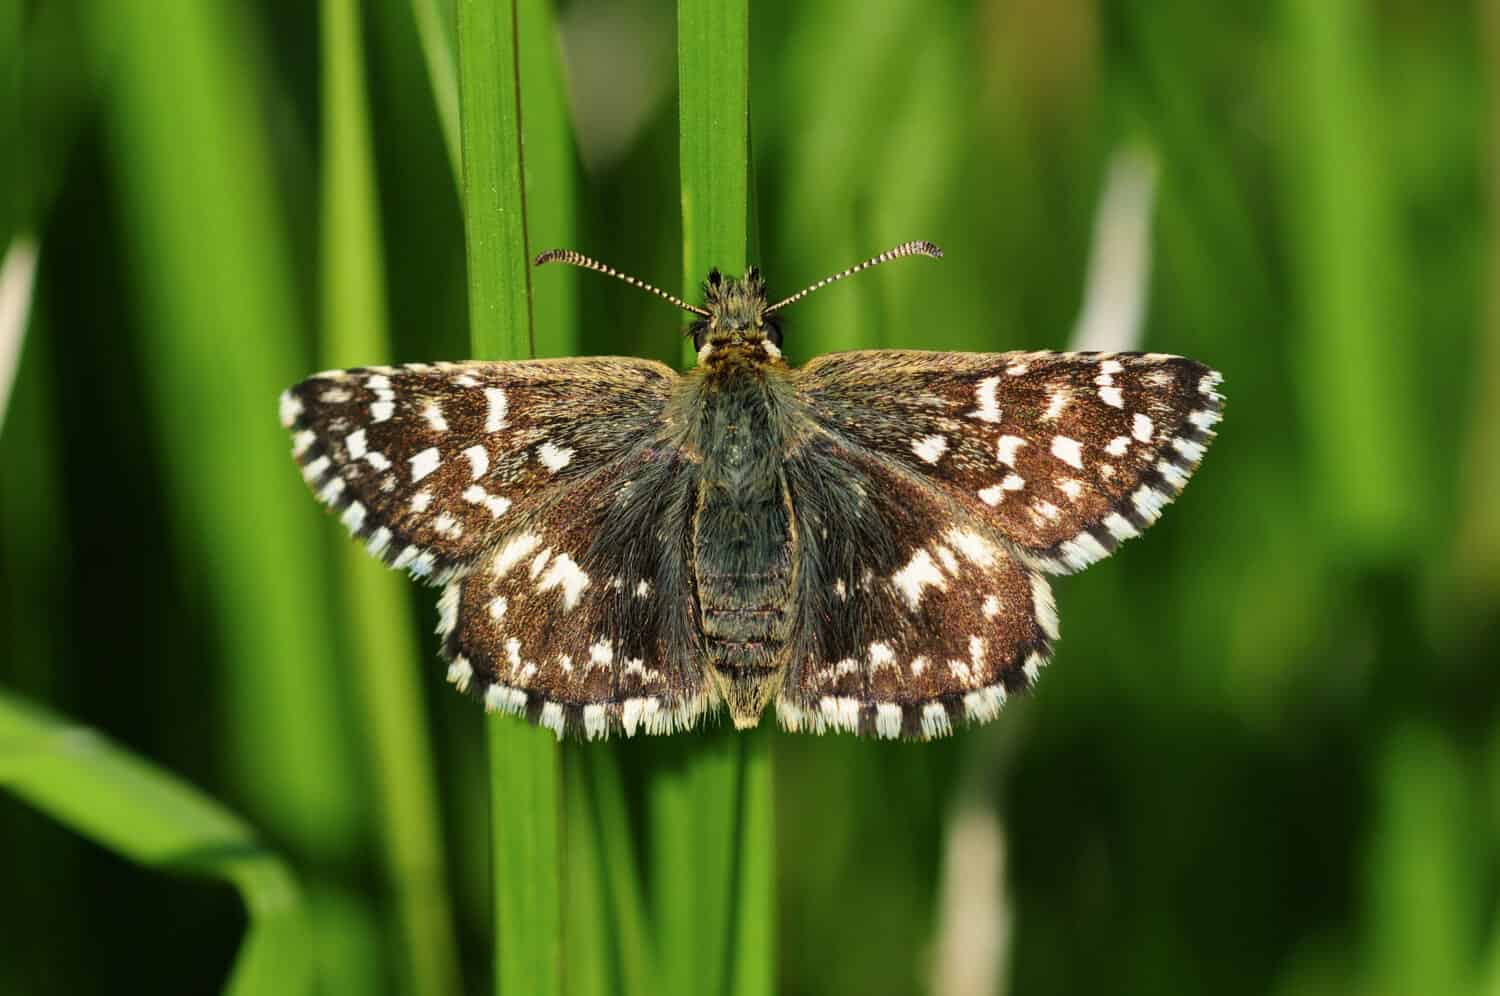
pixel 433 465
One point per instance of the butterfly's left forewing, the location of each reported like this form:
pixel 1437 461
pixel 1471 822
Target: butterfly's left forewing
pixel 931 492
pixel 1065 455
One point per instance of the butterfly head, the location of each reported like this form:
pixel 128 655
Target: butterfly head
pixel 736 319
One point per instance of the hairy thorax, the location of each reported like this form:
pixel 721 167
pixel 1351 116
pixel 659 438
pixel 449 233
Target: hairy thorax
pixel 744 535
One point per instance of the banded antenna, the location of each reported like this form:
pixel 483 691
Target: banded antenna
pixel 918 248
pixel 579 259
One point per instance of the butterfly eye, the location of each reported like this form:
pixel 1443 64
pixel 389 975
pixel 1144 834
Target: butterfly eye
pixel 773 332
pixel 700 335
pixel 714 277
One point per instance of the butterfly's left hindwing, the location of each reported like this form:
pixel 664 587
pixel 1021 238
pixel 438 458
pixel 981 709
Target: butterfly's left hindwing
pixel 431 465
pixel 1065 455
pixel 916 616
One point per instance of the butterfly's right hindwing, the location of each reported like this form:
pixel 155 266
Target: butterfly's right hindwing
pixel 432 465
pixel 582 619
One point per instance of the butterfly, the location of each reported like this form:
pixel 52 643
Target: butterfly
pixel 864 540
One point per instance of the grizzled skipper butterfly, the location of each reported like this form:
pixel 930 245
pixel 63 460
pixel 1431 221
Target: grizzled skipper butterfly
pixel 864 539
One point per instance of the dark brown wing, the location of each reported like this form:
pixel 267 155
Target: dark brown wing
pixel 1065 455
pixel 915 615
pixel 582 618
pixel 432 465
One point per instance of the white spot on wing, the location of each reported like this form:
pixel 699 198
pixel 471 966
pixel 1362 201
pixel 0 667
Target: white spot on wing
pixel 315 470
pixel 919 573
pixel 498 408
pixel 289 408
pixel 972 546
pixel 887 720
pixel 421 501
pixel 354 517
pixel 355 444
pixel 1043 605
pixel 513 552
pixel 553 457
pixel 552 718
pixel 479 460
pixel 1068 451
pixel 1111 396
pixel 1055 404
pixel 379 540
pixel 1117 446
pixel 1120 527
pixel 992 495
pixel 460 673
pixel 1148 502
pixel 498 605
pixel 1190 451
pixel 1142 427
pixel 381 411
pixel 497 505
pixel 1005 450
pixel 990 607
pixel 935 721
pixel 448 609
pixel 984 395
pixel 595 722
pixel 425 463
pixel 434 416
pixel 565 574
pixel 930 448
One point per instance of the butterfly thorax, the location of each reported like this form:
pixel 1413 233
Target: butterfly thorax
pixel 743 531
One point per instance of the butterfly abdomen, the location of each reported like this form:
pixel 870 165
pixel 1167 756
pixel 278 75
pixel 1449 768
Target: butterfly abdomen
pixel 743 537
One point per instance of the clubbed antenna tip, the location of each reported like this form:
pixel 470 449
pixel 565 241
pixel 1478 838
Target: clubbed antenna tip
pixel 579 259
pixel 915 248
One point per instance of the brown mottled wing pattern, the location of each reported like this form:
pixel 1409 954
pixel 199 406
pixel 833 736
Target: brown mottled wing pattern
pixel 582 619
pixel 433 464
pixel 1065 455
pixel 933 489
pixel 915 614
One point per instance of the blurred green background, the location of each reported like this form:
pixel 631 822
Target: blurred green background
pixel 1266 757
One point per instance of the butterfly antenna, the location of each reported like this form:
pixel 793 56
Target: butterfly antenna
pixel 579 259
pixel 904 249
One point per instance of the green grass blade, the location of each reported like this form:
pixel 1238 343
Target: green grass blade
pixel 214 275
pixel 707 809
pixel 753 940
pixel 713 80
pixel 525 777
pixel 378 616
pixel 551 176
pixel 139 811
pixel 626 901
pixel 1356 377
pixel 434 29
